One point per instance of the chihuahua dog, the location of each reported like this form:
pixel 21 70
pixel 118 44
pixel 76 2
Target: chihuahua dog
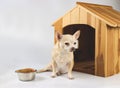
pixel 62 55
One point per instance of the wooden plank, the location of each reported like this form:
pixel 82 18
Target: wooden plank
pixel 74 16
pixel 110 14
pixel 93 19
pixel 58 26
pixel 105 14
pixel 99 57
pixel 115 12
pixel 119 47
pixel 66 20
pixel 83 16
pixel 104 46
pixel 102 55
pixel 118 25
pixel 97 44
pixel 88 18
pixel 115 42
pixel 100 48
pixel 112 51
pixel 98 15
pixel 91 4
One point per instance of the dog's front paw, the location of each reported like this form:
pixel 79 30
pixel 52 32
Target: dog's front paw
pixel 70 77
pixel 58 73
pixel 53 75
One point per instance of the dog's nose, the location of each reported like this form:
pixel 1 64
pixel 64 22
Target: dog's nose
pixel 72 49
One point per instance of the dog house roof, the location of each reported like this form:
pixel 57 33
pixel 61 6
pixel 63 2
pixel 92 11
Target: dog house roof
pixel 103 12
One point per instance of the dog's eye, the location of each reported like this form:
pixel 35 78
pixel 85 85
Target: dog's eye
pixel 74 43
pixel 67 44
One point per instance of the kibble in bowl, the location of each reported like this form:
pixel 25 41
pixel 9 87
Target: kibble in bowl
pixel 26 74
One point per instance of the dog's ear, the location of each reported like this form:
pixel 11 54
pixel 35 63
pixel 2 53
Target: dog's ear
pixel 76 34
pixel 58 35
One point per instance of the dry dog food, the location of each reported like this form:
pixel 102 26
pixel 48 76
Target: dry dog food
pixel 26 70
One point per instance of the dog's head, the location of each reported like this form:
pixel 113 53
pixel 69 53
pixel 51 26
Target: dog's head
pixel 68 42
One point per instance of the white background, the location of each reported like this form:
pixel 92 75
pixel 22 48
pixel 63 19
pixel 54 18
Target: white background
pixel 26 34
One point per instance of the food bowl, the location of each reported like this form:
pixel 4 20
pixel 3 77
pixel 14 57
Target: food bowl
pixel 26 74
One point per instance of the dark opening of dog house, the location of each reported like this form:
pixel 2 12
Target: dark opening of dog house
pixel 84 56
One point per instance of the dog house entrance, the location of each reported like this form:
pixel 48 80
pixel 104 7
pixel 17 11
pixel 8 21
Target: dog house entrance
pixel 84 56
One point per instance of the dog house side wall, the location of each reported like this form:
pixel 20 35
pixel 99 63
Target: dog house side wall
pixel 113 50
pixel 103 38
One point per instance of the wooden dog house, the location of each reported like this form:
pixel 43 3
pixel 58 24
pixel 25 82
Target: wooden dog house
pixel 99 40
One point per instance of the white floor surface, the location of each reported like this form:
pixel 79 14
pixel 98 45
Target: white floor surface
pixel 43 80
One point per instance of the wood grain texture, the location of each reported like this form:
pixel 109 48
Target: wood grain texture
pixel 104 46
pixel 97 44
pixel 89 18
pixel 91 4
pixel 116 59
pixel 100 49
pixel 102 12
pixel 66 20
pixel 83 16
pixel 74 16
pixel 112 51
pixel 93 19
pixel 119 48
pixel 95 12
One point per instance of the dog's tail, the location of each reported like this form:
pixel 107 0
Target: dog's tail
pixel 47 68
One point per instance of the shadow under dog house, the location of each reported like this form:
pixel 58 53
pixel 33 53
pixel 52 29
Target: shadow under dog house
pixel 99 42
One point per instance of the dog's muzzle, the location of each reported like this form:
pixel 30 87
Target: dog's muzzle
pixel 72 49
